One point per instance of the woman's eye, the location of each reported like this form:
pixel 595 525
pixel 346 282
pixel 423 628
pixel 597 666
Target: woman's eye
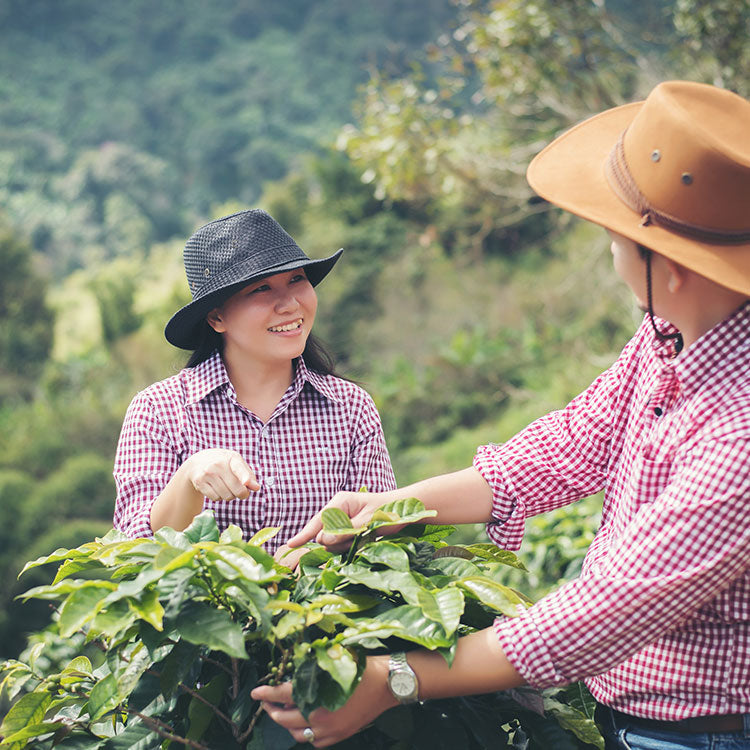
pixel 299 277
pixel 261 288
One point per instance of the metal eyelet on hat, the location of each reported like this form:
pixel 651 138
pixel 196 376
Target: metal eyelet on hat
pixel 207 272
pixel 687 178
pixel 655 155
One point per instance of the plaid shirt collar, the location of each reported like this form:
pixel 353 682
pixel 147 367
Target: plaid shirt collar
pixel 211 375
pixel 715 351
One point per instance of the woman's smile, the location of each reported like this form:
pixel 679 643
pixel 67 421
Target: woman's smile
pixel 292 326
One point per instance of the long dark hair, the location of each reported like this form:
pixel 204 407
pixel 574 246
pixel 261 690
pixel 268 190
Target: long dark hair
pixel 316 355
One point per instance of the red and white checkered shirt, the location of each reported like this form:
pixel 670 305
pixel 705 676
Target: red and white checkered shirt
pixel 324 436
pixel 659 619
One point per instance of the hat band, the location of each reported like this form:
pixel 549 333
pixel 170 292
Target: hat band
pixel 621 181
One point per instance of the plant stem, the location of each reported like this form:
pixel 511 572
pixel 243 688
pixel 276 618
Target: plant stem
pixel 164 730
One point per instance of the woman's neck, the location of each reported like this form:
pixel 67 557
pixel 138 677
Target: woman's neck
pixel 259 385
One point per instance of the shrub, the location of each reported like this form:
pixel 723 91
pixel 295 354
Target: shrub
pixel 188 623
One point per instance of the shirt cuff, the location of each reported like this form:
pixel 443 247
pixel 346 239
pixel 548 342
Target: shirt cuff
pixel 523 645
pixel 508 512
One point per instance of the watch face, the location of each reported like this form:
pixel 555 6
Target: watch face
pixel 402 684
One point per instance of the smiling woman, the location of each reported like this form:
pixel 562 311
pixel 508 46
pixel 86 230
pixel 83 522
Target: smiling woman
pixel 257 427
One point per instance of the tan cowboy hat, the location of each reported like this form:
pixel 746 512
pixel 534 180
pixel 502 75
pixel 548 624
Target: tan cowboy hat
pixel 671 173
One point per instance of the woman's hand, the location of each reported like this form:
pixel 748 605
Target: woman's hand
pixel 220 474
pixel 370 698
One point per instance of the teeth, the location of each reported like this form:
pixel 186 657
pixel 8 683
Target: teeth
pixel 287 327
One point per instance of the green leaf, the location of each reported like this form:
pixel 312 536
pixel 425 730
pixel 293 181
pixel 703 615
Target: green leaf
pixel 339 663
pixel 113 620
pixel 169 536
pixel 28 709
pixel 574 721
pixel 444 606
pixel 335 521
pixel 204 625
pixel 455 567
pixel 58 555
pixel 262 536
pixel 253 599
pixel 71 567
pixel 78 670
pixel 149 608
pixel 31 731
pixel 231 535
pixel 495 554
pixel 386 581
pixel 139 660
pixel 415 627
pixel 200 714
pixel 104 697
pixel 410 510
pixel 203 528
pixel 82 605
pixel 305 685
pixel 494 595
pixel 257 567
pixel 453 550
pixel 385 553
pixel 136 736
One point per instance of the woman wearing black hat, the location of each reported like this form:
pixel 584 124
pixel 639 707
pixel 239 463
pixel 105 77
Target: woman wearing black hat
pixel 256 427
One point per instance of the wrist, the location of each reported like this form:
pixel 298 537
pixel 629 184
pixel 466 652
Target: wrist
pixel 379 666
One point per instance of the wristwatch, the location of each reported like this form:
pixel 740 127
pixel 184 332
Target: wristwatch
pixel 402 680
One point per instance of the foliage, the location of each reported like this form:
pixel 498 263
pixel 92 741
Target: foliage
pixel 205 102
pixel 714 35
pixel 26 331
pixel 187 623
pixel 455 142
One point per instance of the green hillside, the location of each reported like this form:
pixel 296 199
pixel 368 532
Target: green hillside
pixel 397 130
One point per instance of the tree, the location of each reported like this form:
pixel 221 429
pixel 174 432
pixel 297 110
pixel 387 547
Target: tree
pixel 716 41
pixel 454 140
pixel 27 321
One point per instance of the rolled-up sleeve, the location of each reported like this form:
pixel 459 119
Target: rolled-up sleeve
pixel 559 458
pixel 685 554
pixel 145 460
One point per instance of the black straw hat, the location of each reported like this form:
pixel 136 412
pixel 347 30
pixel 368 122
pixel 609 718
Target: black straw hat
pixel 229 253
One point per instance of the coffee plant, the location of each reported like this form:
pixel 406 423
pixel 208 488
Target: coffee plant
pixel 169 635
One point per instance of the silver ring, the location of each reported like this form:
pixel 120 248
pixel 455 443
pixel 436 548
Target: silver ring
pixel 308 734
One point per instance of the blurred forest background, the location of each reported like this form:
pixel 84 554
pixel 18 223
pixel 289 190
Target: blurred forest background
pixel 398 129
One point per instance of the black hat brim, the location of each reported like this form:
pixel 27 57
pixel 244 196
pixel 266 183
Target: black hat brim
pixel 183 328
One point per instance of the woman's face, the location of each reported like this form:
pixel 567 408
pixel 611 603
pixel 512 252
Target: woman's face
pixel 268 320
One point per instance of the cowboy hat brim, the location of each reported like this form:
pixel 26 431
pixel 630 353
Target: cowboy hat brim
pixel 183 327
pixel 570 173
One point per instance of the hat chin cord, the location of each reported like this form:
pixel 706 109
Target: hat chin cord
pixel 663 337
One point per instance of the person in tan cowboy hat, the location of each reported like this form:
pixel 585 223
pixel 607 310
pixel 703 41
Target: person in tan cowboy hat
pixel 658 622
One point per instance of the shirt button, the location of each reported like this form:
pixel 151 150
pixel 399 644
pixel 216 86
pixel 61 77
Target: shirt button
pixel 270 481
pixel 658 411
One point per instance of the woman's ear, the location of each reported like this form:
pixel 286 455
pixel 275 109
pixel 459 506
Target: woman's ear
pixel 214 320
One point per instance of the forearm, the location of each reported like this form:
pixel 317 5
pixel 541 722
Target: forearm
pixel 480 666
pixel 177 504
pixel 460 497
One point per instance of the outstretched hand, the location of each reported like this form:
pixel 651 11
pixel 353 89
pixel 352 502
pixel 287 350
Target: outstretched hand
pixel 359 506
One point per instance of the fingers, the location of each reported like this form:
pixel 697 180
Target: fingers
pixel 222 475
pixel 243 473
pixel 308 532
pixel 289 557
